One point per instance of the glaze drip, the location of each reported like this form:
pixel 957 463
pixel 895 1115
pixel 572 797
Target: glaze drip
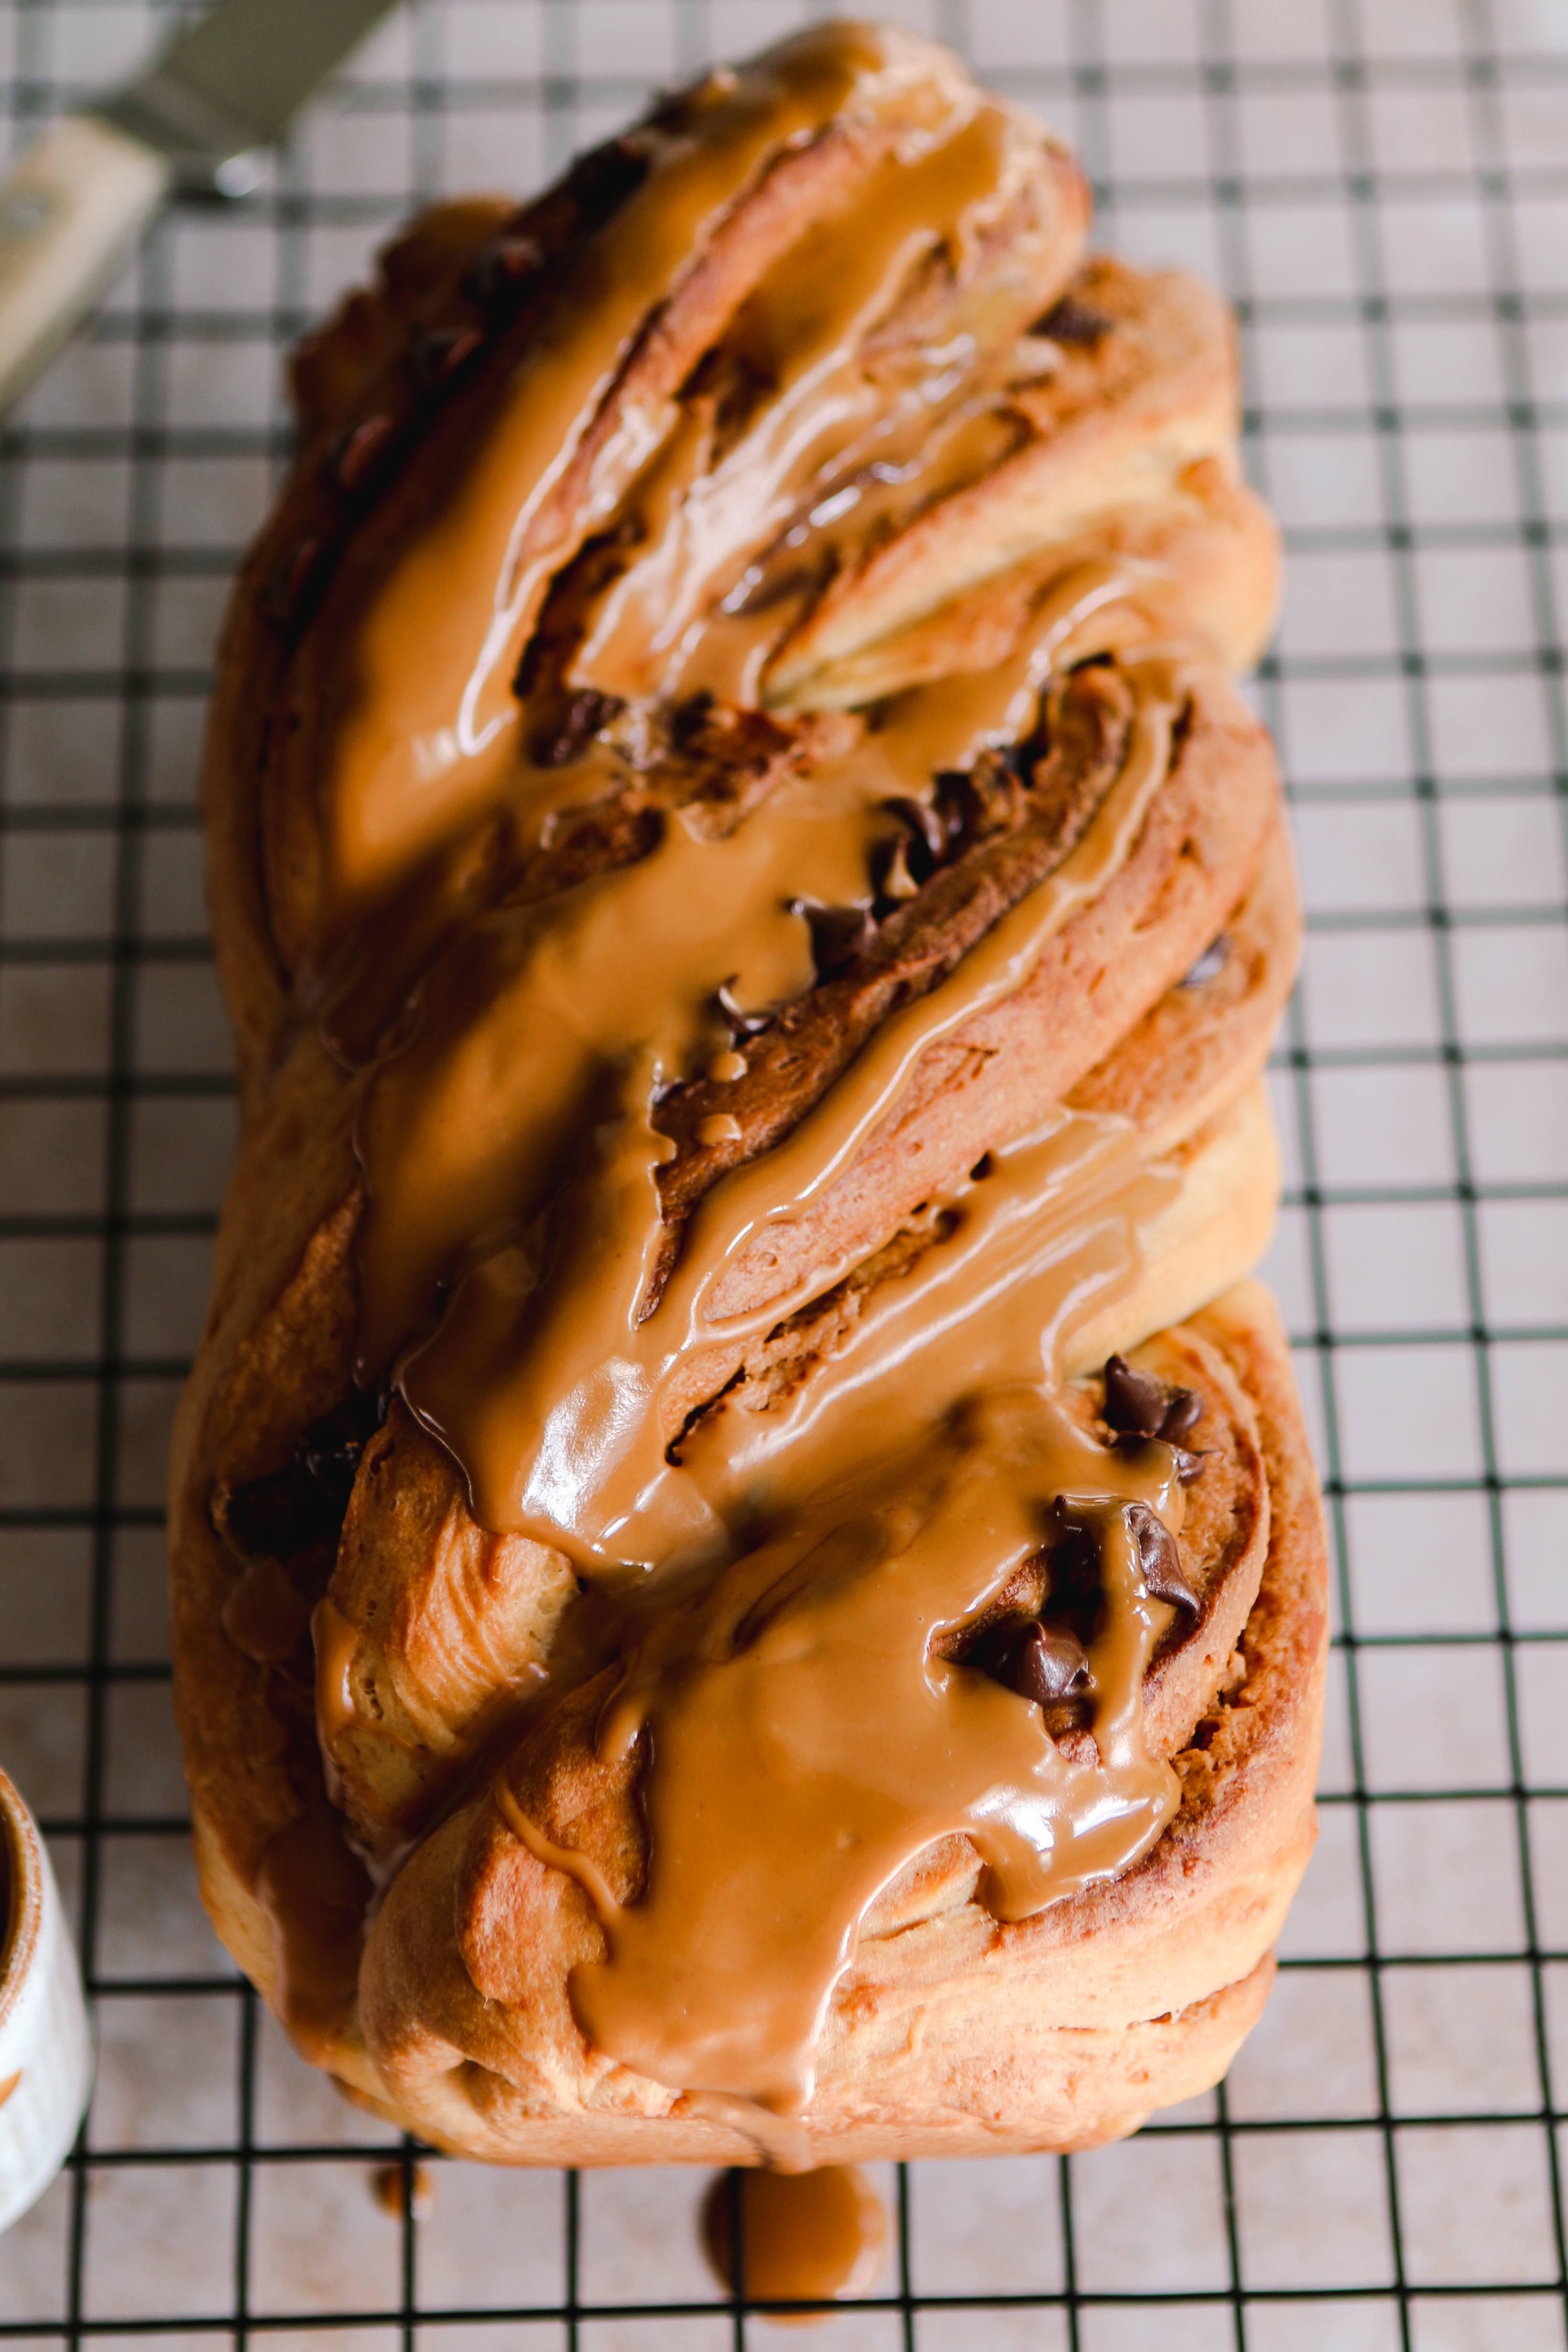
pixel 802 2237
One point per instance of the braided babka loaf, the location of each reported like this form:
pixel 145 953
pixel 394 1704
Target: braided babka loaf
pixel 746 1572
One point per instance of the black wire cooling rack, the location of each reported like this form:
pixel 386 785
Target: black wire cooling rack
pixel 1383 187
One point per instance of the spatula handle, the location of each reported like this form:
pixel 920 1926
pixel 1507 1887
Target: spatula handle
pixel 71 209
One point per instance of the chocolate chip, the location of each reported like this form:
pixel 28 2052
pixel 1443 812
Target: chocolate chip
pixel 278 1517
pixel 690 719
pixel 1158 1559
pixel 1139 1405
pixel 838 934
pixel 1135 1402
pixel 1044 1663
pixel 1072 321
pixel 565 733
pixel 1183 1413
pixel 896 879
pixel 954 806
pixel 330 1448
pixel 929 826
pixel 333 1461
pixel 742 1024
pixel 1209 964
pixel 298 582
pixel 997 796
pixel 1074 1566
pixel 361 451
pixel 601 182
pixel 1189 1467
pixel 502 268
pixel 442 353
pixel 283 1514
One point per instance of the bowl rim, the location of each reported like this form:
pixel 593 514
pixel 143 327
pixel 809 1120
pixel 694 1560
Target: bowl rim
pixel 23 1893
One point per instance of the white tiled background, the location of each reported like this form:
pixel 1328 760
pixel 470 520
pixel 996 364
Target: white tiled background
pixel 1383 185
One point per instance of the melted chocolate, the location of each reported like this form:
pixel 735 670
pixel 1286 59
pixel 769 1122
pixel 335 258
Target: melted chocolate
pixel 1137 1405
pixel 1044 1663
pixel 1161 1564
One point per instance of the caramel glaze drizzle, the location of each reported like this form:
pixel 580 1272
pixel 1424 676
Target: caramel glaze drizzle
pixel 521 1273
pixel 430 723
pixel 807 1744
pixel 548 1377
pixel 803 2237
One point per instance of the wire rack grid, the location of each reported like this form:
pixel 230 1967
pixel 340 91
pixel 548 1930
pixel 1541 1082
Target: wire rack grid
pixel 1381 185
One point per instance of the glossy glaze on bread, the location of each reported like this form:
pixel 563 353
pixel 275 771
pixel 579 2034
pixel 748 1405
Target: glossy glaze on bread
pixel 753 916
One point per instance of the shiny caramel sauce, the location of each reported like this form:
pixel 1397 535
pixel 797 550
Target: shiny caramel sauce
pixel 806 2237
pixel 429 724
pixel 518 1279
pixel 400 2188
pixel 545 1376
pixel 809 1745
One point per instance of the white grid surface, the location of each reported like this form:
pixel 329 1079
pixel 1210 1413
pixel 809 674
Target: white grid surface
pixel 1383 187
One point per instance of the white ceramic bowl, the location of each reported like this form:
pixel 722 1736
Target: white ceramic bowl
pixel 46 2048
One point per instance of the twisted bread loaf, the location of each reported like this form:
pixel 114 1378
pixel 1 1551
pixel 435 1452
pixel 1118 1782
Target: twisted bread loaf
pixel 753 917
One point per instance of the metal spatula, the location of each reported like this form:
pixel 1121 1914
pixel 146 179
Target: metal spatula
pixel 75 202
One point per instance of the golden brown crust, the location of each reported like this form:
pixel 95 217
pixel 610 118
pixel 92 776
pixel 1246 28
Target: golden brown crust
pixel 1199 1044
pixel 426 1657
pixel 354 1651
pixel 1137 421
